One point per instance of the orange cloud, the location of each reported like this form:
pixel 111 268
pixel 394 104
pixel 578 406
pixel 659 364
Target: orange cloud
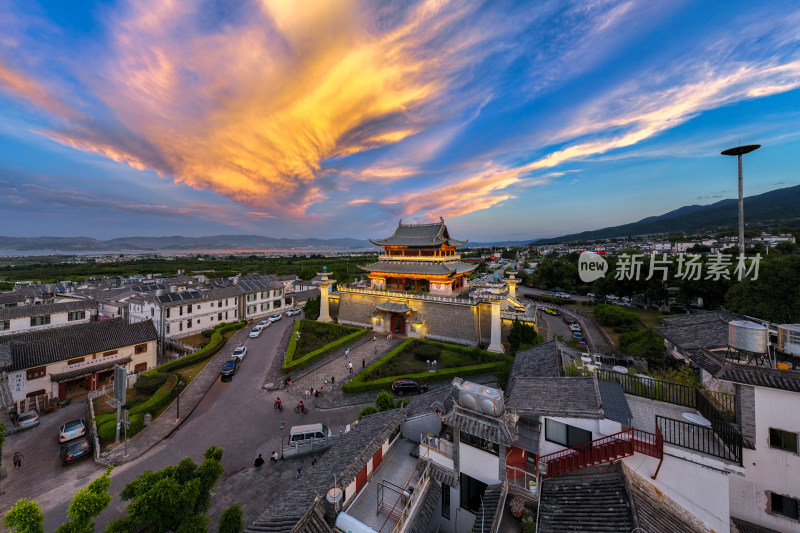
pixel 30 90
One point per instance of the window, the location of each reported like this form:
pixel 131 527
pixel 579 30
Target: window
pixel 36 373
pixel 783 440
pixel 140 348
pixel 198 306
pixel 189 323
pixel 76 315
pixel 219 316
pixel 167 328
pixel 264 294
pixel 566 435
pixel 141 367
pixel 481 444
pixel 152 311
pixel 5 325
pixel 76 361
pixel 785 506
pixel 180 310
pixel 471 492
pixel 109 353
pixel 167 312
pixel 188 308
pixel 40 320
pixel 219 303
pixel 251 309
pixel 180 326
pixel 446 500
pixel 226 315
pixel 251 297
pixel 265 306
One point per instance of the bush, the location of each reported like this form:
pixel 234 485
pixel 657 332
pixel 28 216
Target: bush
pixel 368 410
pixel 357 385
pixel 291 366
pixel 384 401
pixel 107 431
pixel 207 333
pixel 616 317
pixel 149 384
pixel 426 352
pixel 135 401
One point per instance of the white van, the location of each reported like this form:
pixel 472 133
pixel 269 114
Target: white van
pixel 307 432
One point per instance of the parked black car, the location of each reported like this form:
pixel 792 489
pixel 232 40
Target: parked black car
pixel 405 385
pixel 77 449
pixel 230 367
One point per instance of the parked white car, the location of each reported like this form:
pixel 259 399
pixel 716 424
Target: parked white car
pixel 292 312
pixel 72 430
pixel 275 318
pixel 255 333
pixel 263 323
pixel 239 352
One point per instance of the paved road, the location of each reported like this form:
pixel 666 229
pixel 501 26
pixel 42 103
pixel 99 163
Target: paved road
pixel 237 416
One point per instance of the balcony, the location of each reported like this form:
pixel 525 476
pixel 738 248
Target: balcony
pixel 438 450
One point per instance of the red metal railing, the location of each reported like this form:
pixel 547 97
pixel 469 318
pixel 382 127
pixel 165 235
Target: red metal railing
pixel 604 450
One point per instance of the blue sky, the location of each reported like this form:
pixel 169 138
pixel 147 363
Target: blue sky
pixel 335 118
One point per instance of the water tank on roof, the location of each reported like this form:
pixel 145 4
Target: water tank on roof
pixel 480 398
pixel 345 522
pixel 789 339
pixel 747 336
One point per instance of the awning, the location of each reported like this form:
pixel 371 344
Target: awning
pixel 88 370
pixel 393 308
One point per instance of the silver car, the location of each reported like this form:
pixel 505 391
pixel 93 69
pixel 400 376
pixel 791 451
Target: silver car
pixel 27 419
pixel 72 430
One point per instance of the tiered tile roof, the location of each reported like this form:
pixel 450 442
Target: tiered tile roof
pixel 419 235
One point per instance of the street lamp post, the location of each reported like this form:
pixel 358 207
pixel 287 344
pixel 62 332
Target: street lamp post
pixel 739 151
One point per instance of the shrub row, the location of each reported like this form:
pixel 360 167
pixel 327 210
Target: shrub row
pixel 162 395
pixel 443 374
pixel 358 383
pixel 291 366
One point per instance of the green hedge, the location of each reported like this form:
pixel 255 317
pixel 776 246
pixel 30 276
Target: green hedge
pixel 163 395
pixel 357 384
pixel 108 430
pixel 291 366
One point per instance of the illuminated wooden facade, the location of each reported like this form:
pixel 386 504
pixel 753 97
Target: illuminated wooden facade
pixel 420 258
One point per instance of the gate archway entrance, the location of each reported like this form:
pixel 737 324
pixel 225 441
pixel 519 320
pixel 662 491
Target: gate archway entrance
pixel 398 323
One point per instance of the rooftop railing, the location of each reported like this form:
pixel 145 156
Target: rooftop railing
pixel 412 296
pixel 706 440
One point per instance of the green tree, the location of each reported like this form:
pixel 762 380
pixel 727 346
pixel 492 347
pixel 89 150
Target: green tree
pixel 366 411
pixel 774 296
pixel 231 519
pixel 25 516
pixel 87 504
pixel 384 401
pixel 176 498
pixel 311 308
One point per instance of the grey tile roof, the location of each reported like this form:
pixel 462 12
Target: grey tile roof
pixel 88 370
pixel 11 297
pixel 748 527
pixel 440 398
pixel 57 332
pixel 711 334
pixel 595 499
pixel 422 520
pixel 615 403
pixel 417 235
pixel 79 341
pixel 537 362
pixel 565 397
pixel 344 460
pixel 425 268
pixel 485 427
pixel 393 307
pixel 443 474
pixel 759 376
pixel 46 309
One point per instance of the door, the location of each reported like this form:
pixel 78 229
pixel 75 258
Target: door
pixel 361 479
pixel 377 458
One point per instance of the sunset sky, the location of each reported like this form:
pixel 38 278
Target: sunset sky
pixel 336 118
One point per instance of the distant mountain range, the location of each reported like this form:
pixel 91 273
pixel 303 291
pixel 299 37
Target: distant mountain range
pixel 773 208
pixel 214 242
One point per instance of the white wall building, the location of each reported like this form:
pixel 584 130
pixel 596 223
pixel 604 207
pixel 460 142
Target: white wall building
pixel 23 318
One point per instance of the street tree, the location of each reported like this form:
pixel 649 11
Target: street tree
pixel 231 519
pixel 25 517
pixel 87 504
pixel 176 498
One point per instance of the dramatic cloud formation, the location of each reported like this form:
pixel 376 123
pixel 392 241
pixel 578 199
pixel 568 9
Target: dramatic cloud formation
pixel 307 111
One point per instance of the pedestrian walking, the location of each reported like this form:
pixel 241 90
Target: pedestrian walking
pixel 18 460
pixel 350 366
pixel 347 352
pixel 333 380
pixel 299 473
pixel 374 338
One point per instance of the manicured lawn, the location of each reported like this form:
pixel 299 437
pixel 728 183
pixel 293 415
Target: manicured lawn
pixel 413 359
pixel 101 407
pixel 315 335
pixel 197 339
